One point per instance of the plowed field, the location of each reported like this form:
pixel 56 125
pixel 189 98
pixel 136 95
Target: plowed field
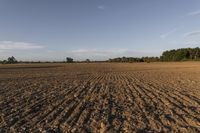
pixel 145 97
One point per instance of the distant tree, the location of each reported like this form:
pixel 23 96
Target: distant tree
pixel 69 60
pixel 4 62
pixel 11 60
pixel 87 60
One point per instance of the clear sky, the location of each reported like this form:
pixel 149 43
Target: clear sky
pixel 96 29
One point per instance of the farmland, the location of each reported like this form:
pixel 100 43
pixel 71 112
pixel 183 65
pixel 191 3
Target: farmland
pixel 100 97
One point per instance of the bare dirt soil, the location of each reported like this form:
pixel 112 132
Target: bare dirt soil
pixel 131 97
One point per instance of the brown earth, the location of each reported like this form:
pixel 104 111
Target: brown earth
pixel 145 97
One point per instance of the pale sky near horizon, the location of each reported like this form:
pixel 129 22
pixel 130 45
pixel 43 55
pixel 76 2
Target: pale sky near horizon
pixel 96 29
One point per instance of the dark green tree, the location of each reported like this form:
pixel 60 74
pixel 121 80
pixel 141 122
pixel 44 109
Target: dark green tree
pixel 11 60
pixel 69 60
pixel 87 60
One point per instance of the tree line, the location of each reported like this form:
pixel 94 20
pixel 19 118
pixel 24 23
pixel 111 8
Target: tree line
pixel 182 54
pixel 135 59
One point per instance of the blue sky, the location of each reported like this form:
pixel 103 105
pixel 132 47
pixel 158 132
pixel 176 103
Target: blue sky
pixel 96 29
